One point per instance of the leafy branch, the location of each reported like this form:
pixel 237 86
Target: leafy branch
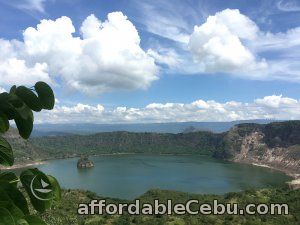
pixel 18 105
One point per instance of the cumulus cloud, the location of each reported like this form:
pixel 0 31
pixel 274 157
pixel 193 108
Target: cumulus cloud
pixel 65 114
pixel 276 101
pixel 268 107
pixel 217 44
pixel 230 42
pixel 15 70
pixel 107 56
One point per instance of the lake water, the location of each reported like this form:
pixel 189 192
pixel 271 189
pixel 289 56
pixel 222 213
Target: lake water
pixel 129 176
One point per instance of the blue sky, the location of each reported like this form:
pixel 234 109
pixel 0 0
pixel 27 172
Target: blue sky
pixel 145 61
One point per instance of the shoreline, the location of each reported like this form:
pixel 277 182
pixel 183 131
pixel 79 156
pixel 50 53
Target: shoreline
pixel 287 172
pixel 294 183
pixel 22 165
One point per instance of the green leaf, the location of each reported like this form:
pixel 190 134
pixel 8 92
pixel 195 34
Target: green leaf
pixel 24 111
pixel 15 100
pixel 41 189
pixel 5 104
pixel 13 89
pixel 34 220
pixel 4 123
pixel 30 99
pixel 15 196
pixel 6 153
pixel 24 121
pixel 55 184
pixel 22 222
pixel 9 213
pixel 9 177
pixel 45 95
pixel 8 109
pixel 3 96
pixel 6 217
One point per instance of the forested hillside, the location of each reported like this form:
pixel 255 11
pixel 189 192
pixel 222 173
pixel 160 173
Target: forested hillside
pixel 24 150
pixel 65 211
pixel 125 142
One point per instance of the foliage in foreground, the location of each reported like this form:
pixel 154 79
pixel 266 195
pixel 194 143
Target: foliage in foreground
pixel 18 105
pixel 65 212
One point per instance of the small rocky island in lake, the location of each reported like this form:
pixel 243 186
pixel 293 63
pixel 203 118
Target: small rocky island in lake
pixel 84 162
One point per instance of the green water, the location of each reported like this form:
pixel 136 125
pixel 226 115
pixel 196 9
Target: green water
pixel 129 176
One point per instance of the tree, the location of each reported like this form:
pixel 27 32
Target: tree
pixel 41 189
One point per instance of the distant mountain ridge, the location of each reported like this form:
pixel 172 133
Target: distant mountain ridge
pixel 176 127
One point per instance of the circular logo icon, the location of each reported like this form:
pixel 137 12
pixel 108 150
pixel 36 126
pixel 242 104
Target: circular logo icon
pixel 40 189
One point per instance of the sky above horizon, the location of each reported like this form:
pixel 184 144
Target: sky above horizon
pixel 131 61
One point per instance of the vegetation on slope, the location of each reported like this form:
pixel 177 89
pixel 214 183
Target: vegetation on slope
pixel 124 142
pixel 24 150
pixel 65 211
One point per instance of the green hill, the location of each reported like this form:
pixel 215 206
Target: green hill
pixel 24 150
pixel 126 142
pixel 65 211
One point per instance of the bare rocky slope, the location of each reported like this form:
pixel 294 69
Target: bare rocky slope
pixel 276 145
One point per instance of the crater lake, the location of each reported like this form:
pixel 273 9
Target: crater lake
pixel 129 176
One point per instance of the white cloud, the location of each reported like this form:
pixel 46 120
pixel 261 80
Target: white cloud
pixel 276 101
pixel 217 44
pixel 107 57
pixel 165 29
pixel 81 108
pixel 2 90
pixel 165 56
pixel 28 5
pixel 36 5
pixel 268 107
pixel 200 104
pixel 230 42
pixel 165 18
pixel 77 113
pixel 277 41
pixel 15 71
